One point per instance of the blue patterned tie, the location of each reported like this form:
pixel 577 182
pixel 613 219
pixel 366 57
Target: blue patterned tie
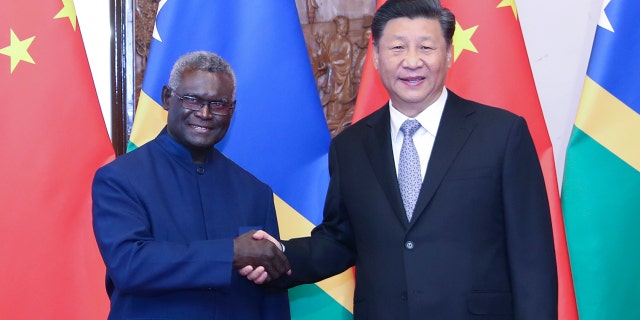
pixel 409 176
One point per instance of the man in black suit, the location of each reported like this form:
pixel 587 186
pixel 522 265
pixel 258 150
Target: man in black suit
pixel 477 242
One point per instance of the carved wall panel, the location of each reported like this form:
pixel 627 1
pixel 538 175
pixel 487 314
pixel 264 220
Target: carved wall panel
pixel 145 18
pixel 336 33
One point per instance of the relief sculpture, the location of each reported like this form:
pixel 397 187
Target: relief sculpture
pixel 336 67
pixel 337 49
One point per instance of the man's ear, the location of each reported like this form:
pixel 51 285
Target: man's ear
pixel 166 94
pixel 375 56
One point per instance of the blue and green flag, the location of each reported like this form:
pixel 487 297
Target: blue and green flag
pixel 601 188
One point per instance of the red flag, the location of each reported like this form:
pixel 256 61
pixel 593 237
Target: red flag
pixel 491 66
pixel 53 138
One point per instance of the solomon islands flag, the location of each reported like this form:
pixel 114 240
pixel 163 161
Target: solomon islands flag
pixel 278 131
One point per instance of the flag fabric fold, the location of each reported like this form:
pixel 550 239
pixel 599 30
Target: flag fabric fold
pixel 53 138
pixel 491 66
pixel 278 131
pixel 601 187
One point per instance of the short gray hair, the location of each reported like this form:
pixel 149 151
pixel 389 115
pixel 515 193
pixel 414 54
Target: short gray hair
pixel 203 61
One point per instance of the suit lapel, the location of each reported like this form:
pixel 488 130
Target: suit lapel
pixel 380 153
pixel 455 127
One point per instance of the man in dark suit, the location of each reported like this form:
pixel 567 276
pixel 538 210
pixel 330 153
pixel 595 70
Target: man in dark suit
pixel 473 239
pixel 174 217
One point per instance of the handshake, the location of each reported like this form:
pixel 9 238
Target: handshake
pixel 259 257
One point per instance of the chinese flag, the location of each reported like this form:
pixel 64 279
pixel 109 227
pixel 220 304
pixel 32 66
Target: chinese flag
pixel 53 138
pixel 491 66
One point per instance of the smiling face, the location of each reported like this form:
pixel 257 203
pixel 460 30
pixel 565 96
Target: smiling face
pixel 199 130
pixel 412 58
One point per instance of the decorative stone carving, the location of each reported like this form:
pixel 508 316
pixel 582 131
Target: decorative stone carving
pixel 144 22
pixel 312 6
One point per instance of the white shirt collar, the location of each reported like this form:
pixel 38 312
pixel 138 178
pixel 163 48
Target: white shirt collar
pixel 429 118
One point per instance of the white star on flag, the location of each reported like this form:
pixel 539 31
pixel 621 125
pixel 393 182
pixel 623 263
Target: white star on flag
pixel 604 20
pixel 156 34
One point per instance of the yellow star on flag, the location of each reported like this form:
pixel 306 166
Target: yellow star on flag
pixel 68 11
pixel 17 50
pixel 509 3
pixel 462 40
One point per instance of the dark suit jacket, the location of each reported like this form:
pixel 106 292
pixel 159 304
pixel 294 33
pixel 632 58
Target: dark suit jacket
pixel 480 243
pixel 165 229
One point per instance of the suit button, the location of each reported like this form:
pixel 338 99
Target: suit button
pixel 200 170
pixel 403 296
pixel 409 245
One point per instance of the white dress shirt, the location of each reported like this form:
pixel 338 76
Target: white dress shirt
pixel 424 137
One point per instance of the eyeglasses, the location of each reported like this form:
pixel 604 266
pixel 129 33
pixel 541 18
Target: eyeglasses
pixel 219 107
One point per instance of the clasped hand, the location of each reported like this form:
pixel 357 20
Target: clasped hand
pixel 260 259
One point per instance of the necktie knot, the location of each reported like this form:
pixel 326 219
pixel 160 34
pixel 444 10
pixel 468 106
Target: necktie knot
pixel 409 127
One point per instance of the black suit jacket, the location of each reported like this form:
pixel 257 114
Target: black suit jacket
pixel 480 243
